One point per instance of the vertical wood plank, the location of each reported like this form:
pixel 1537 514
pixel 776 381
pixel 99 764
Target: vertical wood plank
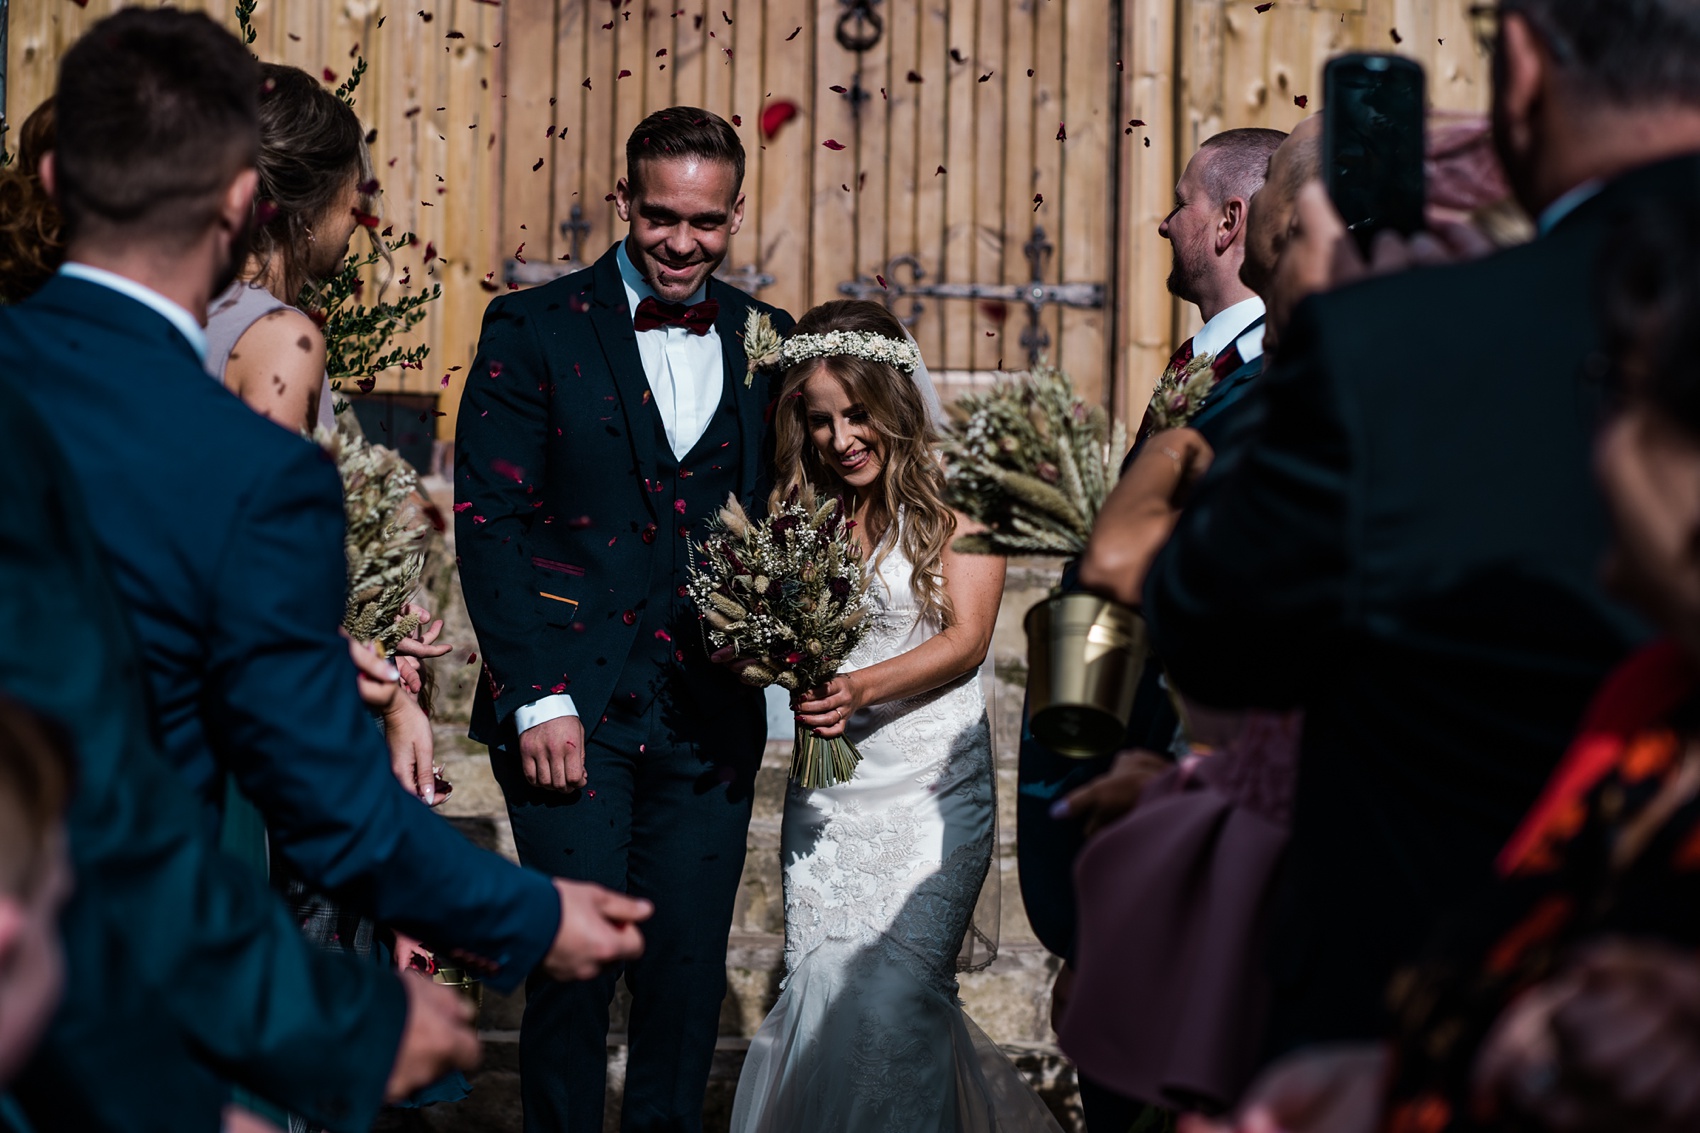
pixel 1049 111
pixel 931 152
pixel 832 212
pixel 956 261
pixel 658 71
pixel 788 165
pixel 1021 175
pixel 1145 323
pixel 903 127
pixel 1089 62
pixel 744 38
pixel 873 151
pixel 566 151
pixel 987 219
pixel 527 70
pixel 690 50
pixel 604 141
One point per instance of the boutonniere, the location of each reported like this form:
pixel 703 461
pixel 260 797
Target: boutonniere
pixel 761 345
pixel 1179 395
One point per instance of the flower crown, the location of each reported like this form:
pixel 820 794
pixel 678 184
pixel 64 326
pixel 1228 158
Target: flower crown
pixel 766 350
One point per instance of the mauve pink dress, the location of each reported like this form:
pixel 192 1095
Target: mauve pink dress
pixel 1170 993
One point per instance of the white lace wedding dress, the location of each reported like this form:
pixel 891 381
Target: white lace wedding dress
pixel 881 877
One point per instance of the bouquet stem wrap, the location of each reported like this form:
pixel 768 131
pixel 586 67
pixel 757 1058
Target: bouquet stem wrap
pixel 784 600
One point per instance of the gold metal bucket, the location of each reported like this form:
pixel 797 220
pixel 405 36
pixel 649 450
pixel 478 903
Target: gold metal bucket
pixel 1085 655
pixel 462 981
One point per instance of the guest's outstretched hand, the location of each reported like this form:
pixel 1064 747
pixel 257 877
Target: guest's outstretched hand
pixel 1612 1043
pixel 598 928
pixel 438 1037
pixel 1336 1089
pixel 1140 512
pixel 1114 793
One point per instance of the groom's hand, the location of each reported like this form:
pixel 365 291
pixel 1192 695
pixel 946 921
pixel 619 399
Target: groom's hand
pixel 552 754
pixel 598 928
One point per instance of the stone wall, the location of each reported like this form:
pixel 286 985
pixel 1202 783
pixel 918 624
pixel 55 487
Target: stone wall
pixel 1010 1000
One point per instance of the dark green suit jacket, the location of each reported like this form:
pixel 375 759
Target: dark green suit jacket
pixel 184 970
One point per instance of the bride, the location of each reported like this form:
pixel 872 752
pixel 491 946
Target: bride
pixel 882 872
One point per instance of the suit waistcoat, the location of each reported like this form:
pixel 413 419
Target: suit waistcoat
pixel 669 652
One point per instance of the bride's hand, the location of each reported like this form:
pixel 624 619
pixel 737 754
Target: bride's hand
pixel 826 708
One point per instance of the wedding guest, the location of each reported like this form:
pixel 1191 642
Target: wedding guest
pixel 1567 996
pixel 228 551
pixel 1407 547
pixel 607 414
pixel 30 244
pixel 1208 230
pixel 315 181
pixel 183 969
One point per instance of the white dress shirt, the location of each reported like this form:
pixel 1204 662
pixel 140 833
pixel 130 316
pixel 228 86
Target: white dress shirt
pixel 179 317
pixel 687 375
pixel 1228 328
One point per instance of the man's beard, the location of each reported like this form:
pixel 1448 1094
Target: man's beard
pixel 1183 280
pixel 241 243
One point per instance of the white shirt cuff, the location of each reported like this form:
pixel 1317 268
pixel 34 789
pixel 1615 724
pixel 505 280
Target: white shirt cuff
pixel 528 716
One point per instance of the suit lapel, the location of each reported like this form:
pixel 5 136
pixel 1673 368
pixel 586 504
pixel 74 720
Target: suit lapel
pixel 612 318
pixel 729 325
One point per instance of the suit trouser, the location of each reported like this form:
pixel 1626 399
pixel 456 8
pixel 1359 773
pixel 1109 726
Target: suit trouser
pixel 664 818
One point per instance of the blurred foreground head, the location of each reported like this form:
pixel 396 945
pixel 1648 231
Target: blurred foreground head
pixel 35 877
pixel 158 130
pixel 1588 89
pixel 1648 458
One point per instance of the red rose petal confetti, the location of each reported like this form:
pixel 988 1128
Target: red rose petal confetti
pixel 538 166
pixel 661 53
pixel 1262 8
pixel 956 54
pixel 1062 132
pixel 455 35
pixel 1301 100
pixel 833 144
pixel 586 84
pixel 624 74
pixel 737 119
pixel 725 17
pixel 426 16
pixel 794 34
pixel 775 116
pixel 940 170
pixel 330 75
pixel 1397 38
pixel 1038 199
pixel 508 469
pixel 430 251
pixel 837 90
pixel 986 77
pixel 882 281
pixel 465 506
pixel 915 77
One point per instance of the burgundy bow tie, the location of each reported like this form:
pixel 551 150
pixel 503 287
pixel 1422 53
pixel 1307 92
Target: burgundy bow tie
pixel 698 318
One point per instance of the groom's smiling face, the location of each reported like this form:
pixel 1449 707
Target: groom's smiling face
pixel 682 212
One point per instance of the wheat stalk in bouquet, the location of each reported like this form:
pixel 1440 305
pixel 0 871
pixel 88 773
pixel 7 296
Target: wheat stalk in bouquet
pixel 1031 462
pixel 785 598
pixel 383 542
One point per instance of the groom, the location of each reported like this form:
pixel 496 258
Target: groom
pixel 606 417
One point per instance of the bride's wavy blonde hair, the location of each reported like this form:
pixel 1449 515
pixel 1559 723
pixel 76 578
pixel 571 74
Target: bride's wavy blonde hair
pixel 910 477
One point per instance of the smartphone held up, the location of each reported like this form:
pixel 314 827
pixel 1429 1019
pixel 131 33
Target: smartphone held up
pixel 1373 132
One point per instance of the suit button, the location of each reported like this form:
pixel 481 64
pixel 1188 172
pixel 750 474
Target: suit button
pixel 629 618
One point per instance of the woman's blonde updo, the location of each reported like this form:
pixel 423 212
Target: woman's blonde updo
pixel 910 480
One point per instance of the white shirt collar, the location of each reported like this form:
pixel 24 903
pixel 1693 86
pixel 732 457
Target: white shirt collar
pixel 638 288
pixel 187 325
pixel 1554 213
pixel 1230 324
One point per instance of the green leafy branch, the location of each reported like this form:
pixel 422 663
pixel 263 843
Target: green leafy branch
pixel 358 337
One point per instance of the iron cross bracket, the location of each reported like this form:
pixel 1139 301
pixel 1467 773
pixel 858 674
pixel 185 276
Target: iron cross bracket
pixel 1035 294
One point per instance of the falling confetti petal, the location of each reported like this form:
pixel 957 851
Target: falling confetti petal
pixel 1397 38
pixel 882 281
pixel 623 75
pixel 956 54
pixel 330 75
pixel 1062 132
pixel 837 90
pixel 940 170
pixel 1301 100
pixel 915 77
pixel 538 166
pixel 794 35
pixel 737 119
pixel 833 144
pixel 1261 8
pixel 1038 199
pixel 986 77
pixel 775 116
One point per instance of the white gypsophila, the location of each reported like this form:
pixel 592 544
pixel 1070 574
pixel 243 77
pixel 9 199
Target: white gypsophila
pixel 904 355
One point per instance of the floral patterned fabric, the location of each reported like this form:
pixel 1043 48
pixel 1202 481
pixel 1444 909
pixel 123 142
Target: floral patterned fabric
pixel 1612 847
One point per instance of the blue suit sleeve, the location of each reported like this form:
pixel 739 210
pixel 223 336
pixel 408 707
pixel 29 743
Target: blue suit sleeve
pixel 179 959
pixel 285 713
pixel 1252 590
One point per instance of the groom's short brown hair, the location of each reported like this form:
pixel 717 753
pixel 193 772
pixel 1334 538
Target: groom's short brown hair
pixel 683 131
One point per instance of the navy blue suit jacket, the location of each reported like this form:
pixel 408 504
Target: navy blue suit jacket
pixel 224 533
pixel 1408 547
pixel 555 521
pixel 182 966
